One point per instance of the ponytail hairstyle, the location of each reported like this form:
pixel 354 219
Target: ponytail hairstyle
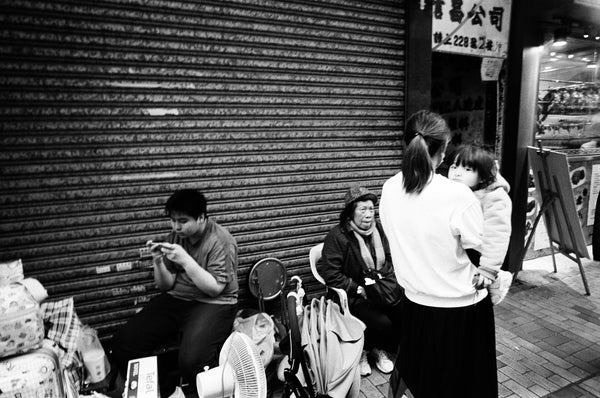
pixel 426 134
pixel 480 160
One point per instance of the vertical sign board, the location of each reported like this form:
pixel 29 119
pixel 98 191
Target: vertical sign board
pixel 471 27
pixel 551 178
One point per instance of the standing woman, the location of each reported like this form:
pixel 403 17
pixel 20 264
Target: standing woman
pixel 447 345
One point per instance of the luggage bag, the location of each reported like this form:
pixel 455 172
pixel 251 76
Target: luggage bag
pixel 35 374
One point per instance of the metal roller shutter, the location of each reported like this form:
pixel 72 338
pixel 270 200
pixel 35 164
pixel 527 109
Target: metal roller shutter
pixel 271 108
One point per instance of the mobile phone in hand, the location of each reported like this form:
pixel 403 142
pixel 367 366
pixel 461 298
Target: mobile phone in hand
pixel 159 245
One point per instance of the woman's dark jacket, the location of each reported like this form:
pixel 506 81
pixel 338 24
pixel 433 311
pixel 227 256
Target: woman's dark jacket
pixel 342 265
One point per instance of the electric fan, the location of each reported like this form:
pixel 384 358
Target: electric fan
pixel 240 374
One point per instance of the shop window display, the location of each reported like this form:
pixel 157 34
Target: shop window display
pixel 569 121
pixel 569 95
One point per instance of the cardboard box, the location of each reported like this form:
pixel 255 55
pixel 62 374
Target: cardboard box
pixel 142 378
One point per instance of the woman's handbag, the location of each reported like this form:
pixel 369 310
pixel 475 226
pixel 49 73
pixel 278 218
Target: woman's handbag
pixel 382 288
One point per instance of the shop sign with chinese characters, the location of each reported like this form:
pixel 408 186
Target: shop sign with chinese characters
pixel 471 27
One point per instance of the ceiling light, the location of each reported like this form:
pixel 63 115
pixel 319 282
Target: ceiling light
pixel 553 53
pixel 560 37
pixel 570 56
pixel 586 32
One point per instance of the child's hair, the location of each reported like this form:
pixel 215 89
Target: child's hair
pixel 426 133
pixel 479 159
pixel 187 201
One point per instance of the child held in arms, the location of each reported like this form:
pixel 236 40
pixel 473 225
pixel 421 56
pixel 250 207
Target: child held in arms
pixel 477 168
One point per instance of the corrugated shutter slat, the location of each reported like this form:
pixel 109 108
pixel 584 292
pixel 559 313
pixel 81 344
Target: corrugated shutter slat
pixel 271 108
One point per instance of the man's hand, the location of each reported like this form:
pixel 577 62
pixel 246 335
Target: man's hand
pixel 177 254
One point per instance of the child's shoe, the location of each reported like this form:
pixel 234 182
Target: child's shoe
pixel 499 288
pixel 365 368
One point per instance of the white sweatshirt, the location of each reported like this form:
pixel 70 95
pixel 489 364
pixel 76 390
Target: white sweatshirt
pixel 428 234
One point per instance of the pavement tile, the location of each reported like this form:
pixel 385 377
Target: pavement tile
pixel 547 335
pixel 542 381
pixel 557 339
pixel 516 376
pixel 564 373
pixel 504 392
pixel 519 390
pixel 538 390
pixel 536 368
pixel 558 380
pixel 569 392
pixel 592 384
pixel 570 346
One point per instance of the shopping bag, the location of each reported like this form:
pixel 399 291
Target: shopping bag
pixel 21 322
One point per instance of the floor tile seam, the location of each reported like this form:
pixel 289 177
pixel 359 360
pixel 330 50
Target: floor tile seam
pixel 571 347
pixel 549 349
pixel 561 381
pixel 543 381
pixel 578 326
pixel 587 354
pixel 530 356
pixel 561 373
pixel 513 364
pixel 555 359
pixel 540 393
pixel 527 345
pixel 582 363
pixel 539 369
pixel 518 389
pixel 518 377
pixel 591 309
pixel 591 387
pixel 575 383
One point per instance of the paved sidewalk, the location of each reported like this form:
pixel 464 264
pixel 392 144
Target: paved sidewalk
pixel 547 332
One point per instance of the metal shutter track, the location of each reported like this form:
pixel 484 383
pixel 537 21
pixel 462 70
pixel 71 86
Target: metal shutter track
pixel 271 108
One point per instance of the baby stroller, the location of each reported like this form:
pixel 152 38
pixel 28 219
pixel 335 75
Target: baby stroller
pixel 325 345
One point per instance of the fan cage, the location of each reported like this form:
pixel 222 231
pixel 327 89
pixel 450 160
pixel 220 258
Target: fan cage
pixel 240 352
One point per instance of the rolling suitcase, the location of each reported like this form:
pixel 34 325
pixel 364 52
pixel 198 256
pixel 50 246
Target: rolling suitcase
pixel 35 374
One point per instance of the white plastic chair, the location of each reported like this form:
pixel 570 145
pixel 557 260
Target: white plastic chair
pixel 313 256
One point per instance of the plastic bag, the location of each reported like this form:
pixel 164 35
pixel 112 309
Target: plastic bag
pixel 11 271
pixel 260 328
pixel 94 358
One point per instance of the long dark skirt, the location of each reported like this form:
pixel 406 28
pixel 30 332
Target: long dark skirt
pixel 446 352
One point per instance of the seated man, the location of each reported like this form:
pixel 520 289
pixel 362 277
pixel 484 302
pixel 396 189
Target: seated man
pixel 196 269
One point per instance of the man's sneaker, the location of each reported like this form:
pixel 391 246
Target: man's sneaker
pixel 365 368
pixel 499 288
pixel 382 361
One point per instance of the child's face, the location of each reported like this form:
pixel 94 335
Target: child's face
pixel 465 174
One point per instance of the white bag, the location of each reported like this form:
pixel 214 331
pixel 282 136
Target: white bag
pixel 21 321
pixel 11 272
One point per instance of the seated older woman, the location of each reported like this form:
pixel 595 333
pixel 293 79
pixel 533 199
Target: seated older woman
pixel 356 244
